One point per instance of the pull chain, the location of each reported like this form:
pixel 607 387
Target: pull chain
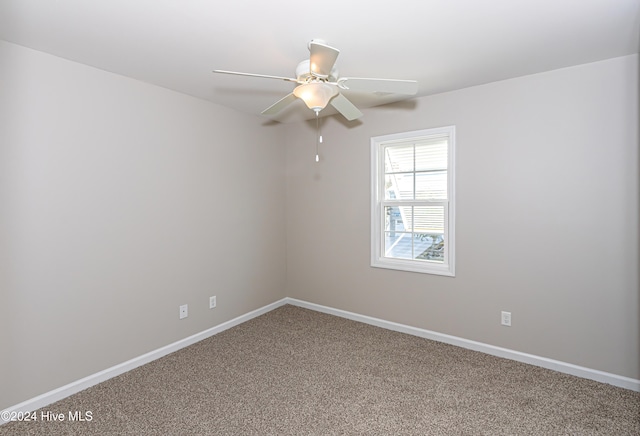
pixel 318 135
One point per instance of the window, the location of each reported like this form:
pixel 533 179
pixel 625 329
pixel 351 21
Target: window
pixel 412 201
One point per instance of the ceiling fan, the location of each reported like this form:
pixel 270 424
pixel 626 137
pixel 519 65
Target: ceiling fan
pixel 318 83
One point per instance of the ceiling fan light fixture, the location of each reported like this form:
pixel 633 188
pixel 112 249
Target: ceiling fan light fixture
pixel 316 95
pixel 318 84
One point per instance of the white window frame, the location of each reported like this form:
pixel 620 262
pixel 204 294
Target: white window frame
pixel 378 260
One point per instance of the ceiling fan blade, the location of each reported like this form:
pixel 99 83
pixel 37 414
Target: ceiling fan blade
pixel 345 107
pixel 256 75
pixel 322 59
pixel 394 86
pixel 279 105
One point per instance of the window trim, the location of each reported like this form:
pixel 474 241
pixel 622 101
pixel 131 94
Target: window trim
pixel 447 268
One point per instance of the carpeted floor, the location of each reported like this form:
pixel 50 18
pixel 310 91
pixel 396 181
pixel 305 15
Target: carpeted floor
pixel 294 371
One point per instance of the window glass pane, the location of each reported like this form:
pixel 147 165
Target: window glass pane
pixel 397 245
pixel 428 246
pixel 398 186
pixel 394 220
pixel 398 158
pixel 431 155
pixel 432 185
pixel 428 219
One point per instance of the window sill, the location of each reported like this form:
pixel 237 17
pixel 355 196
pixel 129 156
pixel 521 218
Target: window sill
pixel 413 266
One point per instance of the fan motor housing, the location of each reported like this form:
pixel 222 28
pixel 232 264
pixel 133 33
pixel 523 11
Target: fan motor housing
pixel 303 72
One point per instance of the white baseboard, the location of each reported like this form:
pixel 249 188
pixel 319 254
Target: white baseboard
pixel 84 383
pixel 556 365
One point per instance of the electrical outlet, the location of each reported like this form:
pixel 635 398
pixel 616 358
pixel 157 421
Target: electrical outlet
pixel 506 318
pixel 212 302
pixel 184 311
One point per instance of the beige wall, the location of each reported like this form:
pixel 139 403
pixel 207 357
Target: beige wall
pixel 547 216
pixel 120 201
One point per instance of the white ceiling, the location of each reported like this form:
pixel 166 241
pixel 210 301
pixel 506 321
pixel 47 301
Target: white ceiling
pixel 443 44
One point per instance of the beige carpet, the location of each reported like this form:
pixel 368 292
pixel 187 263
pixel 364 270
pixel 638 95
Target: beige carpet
pixel 298 372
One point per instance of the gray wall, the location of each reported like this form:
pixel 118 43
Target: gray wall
pixel 547 216
pixel 120 201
